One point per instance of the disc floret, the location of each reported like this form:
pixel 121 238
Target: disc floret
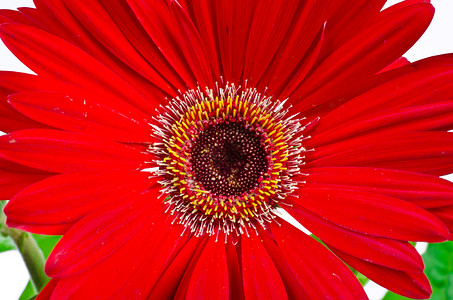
pixel 227 157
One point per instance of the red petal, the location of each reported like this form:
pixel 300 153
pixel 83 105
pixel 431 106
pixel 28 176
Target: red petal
pixel 98 22
pixel 19 82
pixel 47 229
pixel 204 19
pixel 235 271
pixel 445 214
pixel 56 18
pixel 192 46
pixel 294 285
pixel 390 253
pixel 260 276
pixel 80 115
pixel 420 83
pixel 302 69
pixel 316 268
pixel 425 152
pixel 58 151
pixel 130 26
pixel 209 278
pixel 96 236
pixel 298 51
pixel 47 291
pixel 167 242
pixel 11 120
pixel 233 30
pixel 12 182
pixel 49 55
pixel 105 279
pixel 272 20
pixel 343 24
pixel 156 19
pixel 13 16
pixel 181 291
pixel 373 214
pixel 400 62
pixel 412 285
pixel 367 53
pixel 433 116
pixel 167 286
pixel 68 197
pixel 424 190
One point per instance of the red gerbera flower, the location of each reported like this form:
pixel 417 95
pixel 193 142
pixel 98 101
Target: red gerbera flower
pixel 160 138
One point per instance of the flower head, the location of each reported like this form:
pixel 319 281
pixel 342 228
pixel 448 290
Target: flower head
pixel 163 140
pixel 227 158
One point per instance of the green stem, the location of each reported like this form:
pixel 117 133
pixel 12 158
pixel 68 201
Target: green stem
pixel 31 254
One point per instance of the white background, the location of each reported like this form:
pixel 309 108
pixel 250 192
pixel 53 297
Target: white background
pixel 437 40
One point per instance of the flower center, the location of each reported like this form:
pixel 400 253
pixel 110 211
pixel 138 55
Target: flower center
pixel 227 159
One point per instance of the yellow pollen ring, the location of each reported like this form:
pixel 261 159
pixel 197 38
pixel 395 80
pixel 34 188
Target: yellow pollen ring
pixel 235 209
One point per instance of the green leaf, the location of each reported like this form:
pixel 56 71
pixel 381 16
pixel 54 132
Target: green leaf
pixel 28 292
pixel 46 243
pixel 393 296
pixel 439 270
pixel 362 279
pixel 6 243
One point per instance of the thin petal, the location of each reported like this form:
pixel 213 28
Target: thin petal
pixel 10 119
pixel 259 274
pixel 210 276
pixel 271 23
pixel 298 51
pixel 162 250
pixel 158 23
pixel 424 152
pixel 412 285
pixel 420 83
pixel 38 50
pixel 294 285
pixel 104 279
pixel 192 45
pixel 12 182
pixel 386 40
pixel 95 237
pixel 55 17
pixel 19 82
pixel 344 24
pixel 69 197
pixel 80 115
pixel 167 286
pixel 47 291
pixel 58 151
pixel 390 253
pixel 204 18
pixel 233 30
pixel 315 266
pixel 445 214
pixel 424 190
pixel 98 22
pixel 373 214
pixel 433 116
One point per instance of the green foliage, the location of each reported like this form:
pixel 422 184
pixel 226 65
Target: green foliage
pixel 439 269
pixel 6 243
pixel 362 278
pixel 28 293
pixel 46 243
